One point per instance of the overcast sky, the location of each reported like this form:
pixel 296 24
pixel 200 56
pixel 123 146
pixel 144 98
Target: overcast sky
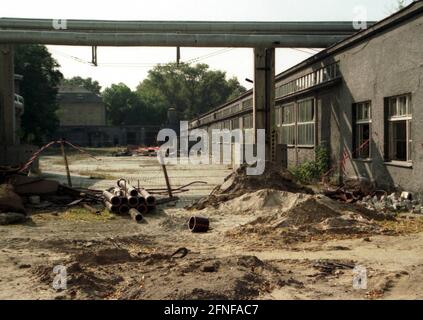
pixel 131 65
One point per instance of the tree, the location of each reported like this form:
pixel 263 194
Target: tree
pixel 123 106
pixel 87 83
pixel 41 79
pixel 192 90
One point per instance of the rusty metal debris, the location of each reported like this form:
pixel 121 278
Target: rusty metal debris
pixel 198 224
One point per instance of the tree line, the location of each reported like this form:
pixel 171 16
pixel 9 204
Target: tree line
pixel 190 89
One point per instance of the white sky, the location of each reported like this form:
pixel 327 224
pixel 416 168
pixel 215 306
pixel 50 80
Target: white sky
pixel 130 65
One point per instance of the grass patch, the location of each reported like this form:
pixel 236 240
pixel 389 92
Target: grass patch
pixel 97 175
pixel 82 214
pixel 403 225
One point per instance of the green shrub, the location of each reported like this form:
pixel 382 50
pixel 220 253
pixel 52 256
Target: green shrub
pixel 312 171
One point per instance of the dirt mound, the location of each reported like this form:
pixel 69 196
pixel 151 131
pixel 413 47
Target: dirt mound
pixel 266 199
pixel 104 256
pixel 238 183
pixel 238 277
pixel 302 217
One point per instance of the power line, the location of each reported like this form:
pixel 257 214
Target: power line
pixel 209 55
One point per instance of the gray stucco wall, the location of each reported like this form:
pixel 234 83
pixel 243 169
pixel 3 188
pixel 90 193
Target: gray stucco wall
pixel 387 65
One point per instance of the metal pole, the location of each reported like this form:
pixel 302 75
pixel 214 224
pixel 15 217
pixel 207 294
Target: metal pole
pixel 65 158
pixel 169 188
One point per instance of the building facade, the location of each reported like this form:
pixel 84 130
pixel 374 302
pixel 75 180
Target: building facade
pixel 80 107
pixel 362 98
pixel 82 116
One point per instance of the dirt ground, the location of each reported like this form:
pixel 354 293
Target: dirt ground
pixel 112 257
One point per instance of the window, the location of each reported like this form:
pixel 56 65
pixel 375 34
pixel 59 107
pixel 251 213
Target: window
pixel 362 114
pixel 247 121
pixel 306 122
pixel 288 124
pixel 399 128
pixel 235 123
pixel 278 116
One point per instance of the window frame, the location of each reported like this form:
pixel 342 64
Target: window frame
pixel 288 124
pixel 391 119
pixel 298 122
pixel 358 122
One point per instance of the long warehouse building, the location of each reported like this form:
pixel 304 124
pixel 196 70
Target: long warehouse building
pixel 362 98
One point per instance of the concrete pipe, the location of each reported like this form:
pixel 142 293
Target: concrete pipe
pixel 133 202
pixel 110 197
pixel 142 208
pixel 125 186
pixel 149 199
pixel 141 200
pixel 124 209
pixel 111 208
pixel 135 215
pixel 118 192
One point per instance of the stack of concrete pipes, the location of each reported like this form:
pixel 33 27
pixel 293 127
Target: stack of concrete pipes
pixel 126 199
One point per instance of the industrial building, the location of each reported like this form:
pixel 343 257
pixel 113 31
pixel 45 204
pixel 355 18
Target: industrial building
pixel 361 98
pixel 82 116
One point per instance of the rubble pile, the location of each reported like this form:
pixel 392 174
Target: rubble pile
pixel 305 216
pixel 239 183
pixel 392 203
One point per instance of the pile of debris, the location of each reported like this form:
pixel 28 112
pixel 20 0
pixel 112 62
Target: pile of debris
pixel 21 193
pixel 394 202
pixel 124 198
pixel 12 209
pixel 296 217
pixel 238 183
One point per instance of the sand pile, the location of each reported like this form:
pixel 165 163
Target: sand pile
pixel 239 183
pixel 293 217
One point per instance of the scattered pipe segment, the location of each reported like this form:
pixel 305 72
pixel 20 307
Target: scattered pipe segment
pixel 135 215
pixel 198 224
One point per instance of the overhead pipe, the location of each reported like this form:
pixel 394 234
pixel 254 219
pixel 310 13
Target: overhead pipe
pixel 250 27
pixel 167 39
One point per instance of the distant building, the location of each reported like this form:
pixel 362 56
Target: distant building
pixel 80 107
pixel 82 116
